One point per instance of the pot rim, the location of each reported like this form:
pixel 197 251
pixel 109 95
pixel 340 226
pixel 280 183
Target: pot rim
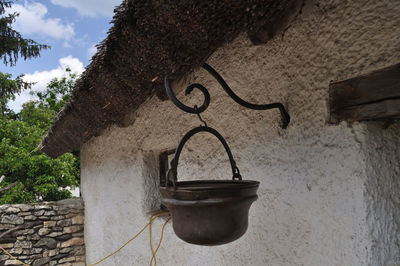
pixel 207 202
pixel 206 185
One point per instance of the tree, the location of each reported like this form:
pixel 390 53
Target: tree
pixel 39 176
pixel 27 175
pixel 12 44
pixel 8 88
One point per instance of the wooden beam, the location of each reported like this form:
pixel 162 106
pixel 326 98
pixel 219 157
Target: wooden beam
pixel 373 96
pixel 164 165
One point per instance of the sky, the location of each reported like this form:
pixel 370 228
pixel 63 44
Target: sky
pixel 71 27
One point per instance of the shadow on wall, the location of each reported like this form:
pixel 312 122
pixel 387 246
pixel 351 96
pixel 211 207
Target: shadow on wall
pixel 382 191
pixel 150 175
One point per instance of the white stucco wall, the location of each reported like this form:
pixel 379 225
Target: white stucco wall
pixel 382 192
pixel 329 194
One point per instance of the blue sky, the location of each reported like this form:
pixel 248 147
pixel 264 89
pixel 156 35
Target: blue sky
pixel 71 27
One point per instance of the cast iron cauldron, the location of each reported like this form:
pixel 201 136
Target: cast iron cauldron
pixel 208 212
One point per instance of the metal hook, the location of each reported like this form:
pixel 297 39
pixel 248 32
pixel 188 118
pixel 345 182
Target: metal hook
pixel 199 116
pixel 236 174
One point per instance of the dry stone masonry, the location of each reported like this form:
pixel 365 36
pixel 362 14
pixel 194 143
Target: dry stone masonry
pixel 48 233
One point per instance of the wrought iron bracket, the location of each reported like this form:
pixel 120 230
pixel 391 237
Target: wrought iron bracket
pixel 197 110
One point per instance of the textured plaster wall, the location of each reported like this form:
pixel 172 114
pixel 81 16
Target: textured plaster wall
pixel 329 194
pixel 382 192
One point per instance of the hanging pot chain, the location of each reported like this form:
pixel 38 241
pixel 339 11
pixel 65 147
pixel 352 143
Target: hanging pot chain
pixel 199 116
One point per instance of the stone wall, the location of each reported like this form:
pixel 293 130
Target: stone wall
pixel 49 233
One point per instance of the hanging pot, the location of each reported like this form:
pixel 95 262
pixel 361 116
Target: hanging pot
pixel 208 212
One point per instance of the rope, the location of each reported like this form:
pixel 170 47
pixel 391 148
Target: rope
pixel 159 243
pixel 151 246
pixel 152 218
pixel 14 258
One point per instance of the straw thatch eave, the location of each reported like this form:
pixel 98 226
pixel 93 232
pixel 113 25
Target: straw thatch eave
pixel 149 39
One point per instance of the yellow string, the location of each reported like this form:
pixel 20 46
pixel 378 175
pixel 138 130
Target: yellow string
pixel 14 258
pixel 150 242
pixel 152 218
pixel 151 245
pixel 159 243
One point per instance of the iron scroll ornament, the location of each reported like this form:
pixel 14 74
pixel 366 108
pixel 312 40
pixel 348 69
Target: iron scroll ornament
pixel 173 171
pixel 197 110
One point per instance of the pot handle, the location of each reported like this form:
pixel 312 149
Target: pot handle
pixel 173 171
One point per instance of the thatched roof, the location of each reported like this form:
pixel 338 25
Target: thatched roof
pixel 149 39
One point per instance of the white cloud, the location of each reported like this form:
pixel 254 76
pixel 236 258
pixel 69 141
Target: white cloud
pixel 91 51
pixel 67 45
pixel 42 78
pixel 32 20
pixel 90 8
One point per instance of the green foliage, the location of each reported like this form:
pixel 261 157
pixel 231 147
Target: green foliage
pixel 57 93
pixel 12 44
pixel 8 88
pixel 39 176
pixel 4 4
